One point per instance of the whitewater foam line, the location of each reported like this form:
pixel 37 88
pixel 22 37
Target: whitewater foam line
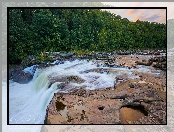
pixel 28 102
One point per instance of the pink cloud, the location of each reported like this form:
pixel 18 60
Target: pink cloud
pixel 138 15
pixel 152 15
pixel 162 19
pixel 161 10
pixel 131 12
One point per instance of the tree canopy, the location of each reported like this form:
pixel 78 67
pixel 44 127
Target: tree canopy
pixel 32 31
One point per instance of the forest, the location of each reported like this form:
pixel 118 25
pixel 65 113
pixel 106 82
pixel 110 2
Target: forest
pixel 34 30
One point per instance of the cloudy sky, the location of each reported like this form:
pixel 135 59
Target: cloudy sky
pixel 152 15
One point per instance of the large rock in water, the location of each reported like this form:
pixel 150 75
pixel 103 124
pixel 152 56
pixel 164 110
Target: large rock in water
pixel 21 77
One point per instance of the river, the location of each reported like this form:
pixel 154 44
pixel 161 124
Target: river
pixel 28 102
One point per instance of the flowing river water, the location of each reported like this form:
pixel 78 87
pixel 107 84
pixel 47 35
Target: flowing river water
pixel 28 102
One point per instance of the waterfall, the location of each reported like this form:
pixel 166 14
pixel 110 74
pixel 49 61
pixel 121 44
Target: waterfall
pixel 28 102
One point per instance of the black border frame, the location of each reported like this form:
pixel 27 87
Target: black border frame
pixel 8 8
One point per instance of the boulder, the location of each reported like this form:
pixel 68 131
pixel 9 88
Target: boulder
pixel 65 79
pixel 161 65
pixel 158 59
pixel 130 102
pixel 157 53
pixel 159 62
pixel 11 70
pixel 21 77
pixel 148 63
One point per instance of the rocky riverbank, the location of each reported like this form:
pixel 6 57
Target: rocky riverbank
pixel 129 101
pixel 123 59
pixel 140 100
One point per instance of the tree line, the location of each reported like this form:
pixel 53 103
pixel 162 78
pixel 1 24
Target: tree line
pixel 32 31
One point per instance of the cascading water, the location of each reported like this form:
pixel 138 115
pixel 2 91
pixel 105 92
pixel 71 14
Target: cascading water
pixel 28 105
pixel 28 102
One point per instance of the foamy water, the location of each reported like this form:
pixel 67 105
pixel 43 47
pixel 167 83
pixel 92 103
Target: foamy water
pixel 13 128
pixel 28 102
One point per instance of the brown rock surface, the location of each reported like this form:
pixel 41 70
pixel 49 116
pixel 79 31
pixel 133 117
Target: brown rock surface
pixel 131 101
pixel 105 106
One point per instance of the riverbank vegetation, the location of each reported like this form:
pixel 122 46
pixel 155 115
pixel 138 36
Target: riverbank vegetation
pixel 35 31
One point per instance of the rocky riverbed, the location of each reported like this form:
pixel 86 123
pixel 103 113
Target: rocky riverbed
pixel 114 88
pixel 140 100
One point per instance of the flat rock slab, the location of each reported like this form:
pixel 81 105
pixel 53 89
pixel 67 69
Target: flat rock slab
pixel 91 108
pixel 130 101
pixel 109 107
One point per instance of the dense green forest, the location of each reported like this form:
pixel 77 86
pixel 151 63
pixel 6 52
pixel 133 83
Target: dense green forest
pixel 32 31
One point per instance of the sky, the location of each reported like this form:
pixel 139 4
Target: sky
pixel 152 15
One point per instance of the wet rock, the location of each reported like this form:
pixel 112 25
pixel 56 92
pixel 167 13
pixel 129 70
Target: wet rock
pixel 131 85
pixel 61 85
pixel 67 55
pixel 59 62
pixel 158 59
pixel 65 79
pixel 79 92
pixel 146 92
pixel 124 52
pixel 157 53
pixel 148 63
pixel 44 65
pixel 21 77
pixel 98 65
pixel 120 97
pixel 158 62
pixel 11 71
pixel 161 65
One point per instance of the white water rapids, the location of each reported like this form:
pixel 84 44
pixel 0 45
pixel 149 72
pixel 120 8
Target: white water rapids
pixel 28 102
